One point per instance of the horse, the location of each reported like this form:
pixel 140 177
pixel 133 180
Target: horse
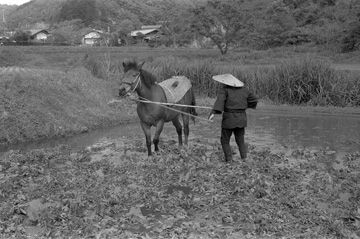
pixel 144 83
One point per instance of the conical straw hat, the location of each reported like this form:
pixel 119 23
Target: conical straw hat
pixel 228 79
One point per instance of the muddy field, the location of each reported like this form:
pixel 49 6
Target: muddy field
pixel 112 190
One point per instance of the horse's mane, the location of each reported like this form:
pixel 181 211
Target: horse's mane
pixel 148 78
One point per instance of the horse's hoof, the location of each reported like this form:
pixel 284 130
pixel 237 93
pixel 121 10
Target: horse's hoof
pixel 159 152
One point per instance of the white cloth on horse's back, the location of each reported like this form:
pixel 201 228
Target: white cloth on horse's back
pixel 175 88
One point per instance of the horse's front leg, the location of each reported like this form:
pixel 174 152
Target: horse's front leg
pixel 147 131
pixel 159 128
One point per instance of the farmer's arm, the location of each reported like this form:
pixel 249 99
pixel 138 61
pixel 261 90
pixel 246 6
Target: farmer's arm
pixel 218 107
pixel 219 104
pixel 252 101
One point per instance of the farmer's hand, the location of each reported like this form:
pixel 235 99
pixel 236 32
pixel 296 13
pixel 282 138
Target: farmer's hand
pixel 211 116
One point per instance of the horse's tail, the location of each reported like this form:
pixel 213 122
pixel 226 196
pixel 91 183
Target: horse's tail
pixel 193 103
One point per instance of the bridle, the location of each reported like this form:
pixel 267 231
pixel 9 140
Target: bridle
pixel 137 82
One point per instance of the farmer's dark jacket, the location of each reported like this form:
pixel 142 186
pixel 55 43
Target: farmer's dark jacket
pixel 232 102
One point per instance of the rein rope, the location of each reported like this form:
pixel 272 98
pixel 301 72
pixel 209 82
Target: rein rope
pixel 165 105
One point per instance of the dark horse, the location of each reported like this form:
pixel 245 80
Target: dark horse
pixel 142 82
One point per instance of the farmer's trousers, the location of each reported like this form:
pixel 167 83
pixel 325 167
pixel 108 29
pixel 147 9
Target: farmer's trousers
pixel 240 141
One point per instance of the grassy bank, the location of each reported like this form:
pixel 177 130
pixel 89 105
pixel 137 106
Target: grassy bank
pixel 46 103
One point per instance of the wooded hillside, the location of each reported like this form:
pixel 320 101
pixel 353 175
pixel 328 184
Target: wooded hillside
pixel 261 24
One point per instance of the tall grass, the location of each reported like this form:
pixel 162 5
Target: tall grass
pixel 307 81
pixel 299 81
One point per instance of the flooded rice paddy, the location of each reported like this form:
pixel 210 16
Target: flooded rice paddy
pixel 275 130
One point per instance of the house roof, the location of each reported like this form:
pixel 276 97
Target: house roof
pixel 36 31
pixel 90 31
pixel 143 32
pixel 99 32
pixel 145 27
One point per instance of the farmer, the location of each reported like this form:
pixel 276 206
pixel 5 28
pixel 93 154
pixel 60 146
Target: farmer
pixel 232 101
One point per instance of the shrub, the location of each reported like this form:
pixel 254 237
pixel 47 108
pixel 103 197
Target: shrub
pixel 351 41
pixel 101 66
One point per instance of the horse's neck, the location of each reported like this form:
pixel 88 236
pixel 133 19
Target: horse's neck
pixel 148 91
pixel 154 93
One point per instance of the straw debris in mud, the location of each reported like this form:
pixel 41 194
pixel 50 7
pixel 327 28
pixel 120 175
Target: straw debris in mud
pixel 115 191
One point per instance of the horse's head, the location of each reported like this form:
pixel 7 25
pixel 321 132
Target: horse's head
pixel 131 79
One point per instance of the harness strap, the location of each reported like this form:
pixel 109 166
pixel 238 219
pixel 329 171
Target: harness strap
pixel 137 83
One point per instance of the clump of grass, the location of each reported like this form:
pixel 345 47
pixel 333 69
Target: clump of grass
pixel 307 81
pixel 11 57
pixel 101 65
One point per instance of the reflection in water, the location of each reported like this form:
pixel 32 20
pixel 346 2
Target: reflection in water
pixel 341 134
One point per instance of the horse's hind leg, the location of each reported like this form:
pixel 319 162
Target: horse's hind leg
pixel 159 128
pixel 147 131
pixel 186 120
pixel 177 124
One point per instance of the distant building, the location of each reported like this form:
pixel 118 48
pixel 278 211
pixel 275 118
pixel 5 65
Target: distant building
pixel 145 27
pixel 147 33
pixel 93 37
pixel 38 35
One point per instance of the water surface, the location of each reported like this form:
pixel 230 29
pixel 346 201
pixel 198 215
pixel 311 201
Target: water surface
pixel 268 129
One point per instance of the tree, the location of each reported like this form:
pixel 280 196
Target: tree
pixel 70 31
pixel 21 37
pixel 221 21
pixel 79 9
pixel 124 29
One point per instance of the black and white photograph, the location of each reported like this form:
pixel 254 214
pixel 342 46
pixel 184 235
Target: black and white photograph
pixel 180 119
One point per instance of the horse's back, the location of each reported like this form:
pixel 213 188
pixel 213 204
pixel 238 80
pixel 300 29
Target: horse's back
pixel 175 88
pixel 153 112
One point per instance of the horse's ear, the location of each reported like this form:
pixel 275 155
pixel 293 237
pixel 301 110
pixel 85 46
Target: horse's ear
pixel 141 65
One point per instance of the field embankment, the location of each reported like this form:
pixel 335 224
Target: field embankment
pixel 47 103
